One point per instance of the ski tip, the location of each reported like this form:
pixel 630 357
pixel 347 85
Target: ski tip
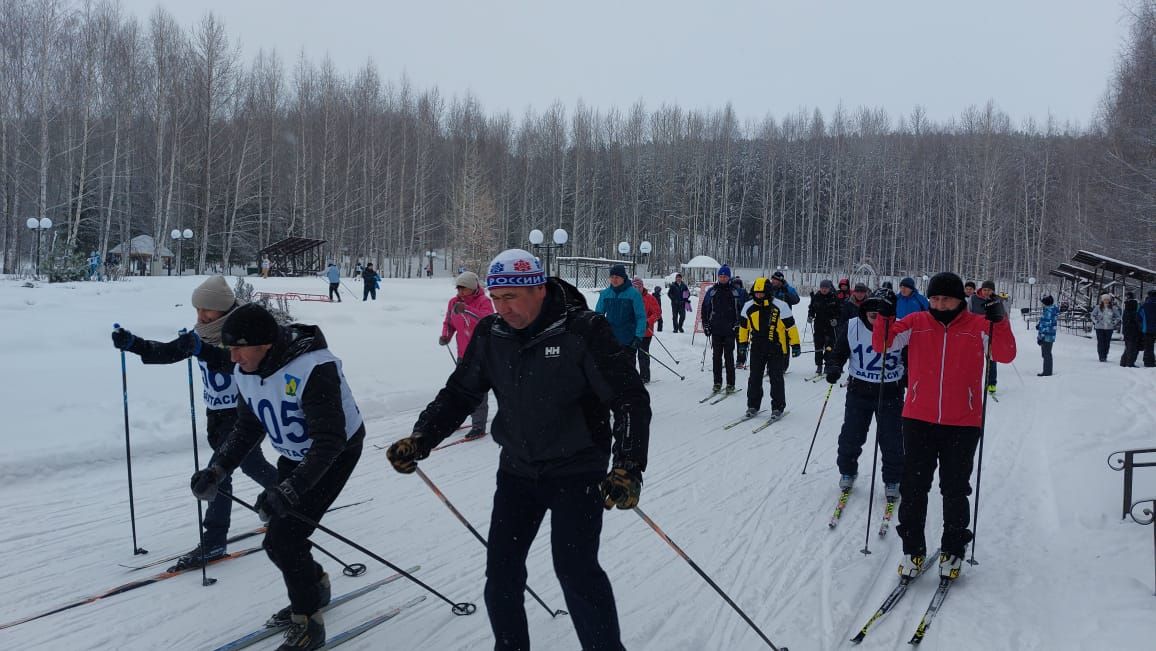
pixel 858 638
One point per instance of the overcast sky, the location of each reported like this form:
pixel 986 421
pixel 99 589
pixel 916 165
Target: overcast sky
pixel 1032 57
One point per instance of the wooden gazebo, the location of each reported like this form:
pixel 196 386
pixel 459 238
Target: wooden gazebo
pixel 294 256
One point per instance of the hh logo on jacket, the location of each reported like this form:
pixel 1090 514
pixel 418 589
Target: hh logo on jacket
pixel 553 351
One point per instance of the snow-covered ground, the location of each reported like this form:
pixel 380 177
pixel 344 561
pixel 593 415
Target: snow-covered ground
pixel 1058 568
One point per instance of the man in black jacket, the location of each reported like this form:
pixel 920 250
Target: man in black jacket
pixel 823 313
pixel 679 294
pixel 720 323
pixel 292 389
pixel 558 374
pixel 213 300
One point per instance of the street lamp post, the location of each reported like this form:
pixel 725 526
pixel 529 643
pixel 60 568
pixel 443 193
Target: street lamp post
pixel 537 238
pixel 38 225
pixel 179 237
pixel 1031 292
pixel 624 249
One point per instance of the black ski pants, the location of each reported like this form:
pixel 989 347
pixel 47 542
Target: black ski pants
pixel 823 340
pixel 335 290
pixel 643 354
pixel 1149 345
pixel 723 347
pixel 575 506
pixel 766 358
pixel 1103 343
pixel 1046 352
pixel 369 290
pixel 287 539
pixel 1132 344
pixel 952 448
pixel 862 404
pixel 677 315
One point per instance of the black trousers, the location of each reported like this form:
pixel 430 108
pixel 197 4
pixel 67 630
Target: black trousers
pixel 219 512
pixel 1046 352
pixel 766 358
pixel 1103 343
pixel 368 291
pixel 287 539
pixel 1132 344
pixel 723 347
pixel 823 339
pixel 678 316
pixel 1149 345
pixel 862 403
pixel 952 448
pixel 644 359
pixel 575 506
pixel 335 290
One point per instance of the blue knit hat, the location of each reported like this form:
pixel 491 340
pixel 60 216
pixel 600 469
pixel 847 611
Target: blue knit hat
pixel 908 282
pixel 515 268
pixel 724 271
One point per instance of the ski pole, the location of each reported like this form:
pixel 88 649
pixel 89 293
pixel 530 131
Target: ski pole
pixel 205 580
pixel 451 354
pixel 696 568
pixel 816 434
pixel 655 359
pixel 463 608
pixel 875 449
pixel 356 569
pixel 666 349
pixel 704 349
pixel 136 550
pixel 461 518
pixel 982 426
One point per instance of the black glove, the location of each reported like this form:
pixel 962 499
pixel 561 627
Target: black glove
pixel 276 502
pixel 189 343
pixel 405 453
pixel 123 339
pixel 637 343
pixel 833 373
pixel 204 482
pixel 443 341
pixel 882 301
pixel 706 330
pixel 796 350
pixel 993 310
pixel 621 488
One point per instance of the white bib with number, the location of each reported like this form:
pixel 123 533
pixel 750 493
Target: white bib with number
pixel 220 392
pixel 866 364
pixel 276 401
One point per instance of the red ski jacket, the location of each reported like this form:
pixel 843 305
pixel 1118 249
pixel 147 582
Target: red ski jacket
pixel 653 312
pixel 945 366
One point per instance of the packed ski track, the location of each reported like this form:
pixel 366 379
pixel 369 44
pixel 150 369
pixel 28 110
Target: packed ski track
pixel 1058 568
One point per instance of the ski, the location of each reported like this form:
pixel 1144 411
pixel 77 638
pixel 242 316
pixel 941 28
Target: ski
pixel 888 513
pixel 724 396
pixel 168 559
pixel 266 632
pixel 814 378
pixel 120 589
pixel 993 397
pixel 347 635
pixel 839 506
pixel 932 609
pixel 742 420
pixel 890 601
pixel 768 422
pixel 712 395
pixel 461 440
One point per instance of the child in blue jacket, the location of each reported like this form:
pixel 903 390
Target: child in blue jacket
pixel 1046 327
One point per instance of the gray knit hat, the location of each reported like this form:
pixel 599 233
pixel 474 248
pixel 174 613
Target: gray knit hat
pixel 214 294
pixel 467 279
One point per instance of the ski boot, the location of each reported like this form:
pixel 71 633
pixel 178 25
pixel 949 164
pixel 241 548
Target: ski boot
pixel 891 491
pixel 949 565
pixel 475 432
pixel 911 565
pixel 716 388
pixel 305 633
pixel 776 414
pixel 284 617
pixel 751 411
pixel 730 388
pixel 846 481
pixel 193 560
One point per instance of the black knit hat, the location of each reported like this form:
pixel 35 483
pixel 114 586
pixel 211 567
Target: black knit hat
pixel 249 325
pixel 988 284
pixel 970 283
pixel 1047 299
pixel 947 284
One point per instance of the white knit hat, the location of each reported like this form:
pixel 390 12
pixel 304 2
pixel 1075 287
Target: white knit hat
pixel 515 268
pixel 214 294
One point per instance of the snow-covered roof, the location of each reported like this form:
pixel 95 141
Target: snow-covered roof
pixel 143 245
pixel 702 262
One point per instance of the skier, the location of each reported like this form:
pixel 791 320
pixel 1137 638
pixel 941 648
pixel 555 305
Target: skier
pixel 653 314
pixel 1106 317
pixel 333 274
pixel 720 323
pixel 622 306
pixel 977 304
pixel 868 369
pixel 556 438
pixel 771 327
pixel 291 387
pixel 910 300
pixel 969 291
pixel 1130 328
pixel 1046 327
pixel 782 290
pixel 679 295
pixel 823 313
pixel 213 301
pixel 370 282
pixel 844 291
pixel 943 411
pixel 849 309
pixel 266 265
pixel 742 346
pixel 658 298
pixel 1147 314
pixel 463 314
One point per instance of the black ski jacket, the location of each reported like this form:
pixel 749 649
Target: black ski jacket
pixel 557 383
pixel 675 294
pixel 824 312
pixel 320 405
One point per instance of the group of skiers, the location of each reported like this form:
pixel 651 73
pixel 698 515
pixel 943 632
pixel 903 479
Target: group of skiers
pixel 1135 321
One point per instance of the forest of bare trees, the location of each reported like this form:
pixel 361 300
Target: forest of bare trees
pixel 113 125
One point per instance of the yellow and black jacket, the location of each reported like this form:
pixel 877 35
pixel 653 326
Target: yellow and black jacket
pixel 767 320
